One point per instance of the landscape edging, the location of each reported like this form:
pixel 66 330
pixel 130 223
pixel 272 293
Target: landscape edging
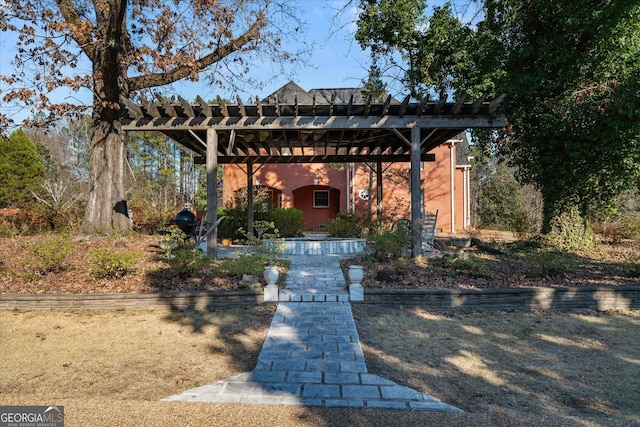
pixel 601 298
pixel 134 301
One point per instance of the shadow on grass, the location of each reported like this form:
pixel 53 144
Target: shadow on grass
pixel 572 368
pixel 207 299
pixel 237 331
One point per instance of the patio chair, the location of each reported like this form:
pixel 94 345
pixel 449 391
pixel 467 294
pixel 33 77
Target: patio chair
pixel 428 232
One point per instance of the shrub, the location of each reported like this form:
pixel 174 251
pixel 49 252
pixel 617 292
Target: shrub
pixel 392 244
pixel 521 225
pixel 182 255
pixel 187 260
pixel 634 269
pixel 50 254
pixel 630 227
pixel 21 222
pixel 235 219
pixel 112 265
pixel 150 220
pixel 570 231
pixel 470 264
pixel 346 224
pixel 244 264
pixel 270 250
pixel 288 221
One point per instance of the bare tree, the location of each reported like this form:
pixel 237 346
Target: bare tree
pixel 131 46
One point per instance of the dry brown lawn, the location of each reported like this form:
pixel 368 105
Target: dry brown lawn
pixel 558 367
pixel 143 355
pixel 113 367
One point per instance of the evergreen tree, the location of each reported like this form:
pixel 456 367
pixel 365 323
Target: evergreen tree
pixel 21 170
pixel 571 73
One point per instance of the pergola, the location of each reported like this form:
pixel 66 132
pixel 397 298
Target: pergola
pixel 310 132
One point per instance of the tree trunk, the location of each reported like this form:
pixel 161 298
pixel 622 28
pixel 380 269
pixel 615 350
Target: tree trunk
pixel 106 210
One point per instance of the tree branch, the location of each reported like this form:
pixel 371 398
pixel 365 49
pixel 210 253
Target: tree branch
pixel 79 29
pixel 160 79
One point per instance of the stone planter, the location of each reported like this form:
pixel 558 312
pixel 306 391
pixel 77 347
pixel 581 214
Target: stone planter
pixel 462 242
pixel 271 275
pixel 356 291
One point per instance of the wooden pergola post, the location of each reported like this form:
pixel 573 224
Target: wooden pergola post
pixel 250 207
pixel 212 191
pixel 416 208
pixel 379 207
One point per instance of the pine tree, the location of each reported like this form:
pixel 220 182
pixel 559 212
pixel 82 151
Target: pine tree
pixel 21 170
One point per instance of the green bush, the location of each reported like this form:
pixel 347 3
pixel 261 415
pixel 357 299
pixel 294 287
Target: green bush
pixel 521 224
pixel 187 260
pixel 112 265
pixel 634 269
pixel 391 244
pixel 500 203
pixel 346 224
pixel 570 231
pixel 235 220
pixel 244 264
pixel 630 227
pixel 50 254
pixel 470 264
pixel 288 221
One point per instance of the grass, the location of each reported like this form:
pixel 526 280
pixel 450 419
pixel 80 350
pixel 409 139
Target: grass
pixel 121 354
pixel 501 368
pixel 565 367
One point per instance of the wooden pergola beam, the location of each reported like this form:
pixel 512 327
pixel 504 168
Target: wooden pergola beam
pixel 329 158
pixel 254 123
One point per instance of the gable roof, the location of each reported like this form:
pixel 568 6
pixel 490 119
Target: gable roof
pixel 291 93
pixel 463 150
pixel 288 94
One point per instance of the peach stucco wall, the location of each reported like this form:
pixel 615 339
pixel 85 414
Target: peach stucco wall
pixel 436 177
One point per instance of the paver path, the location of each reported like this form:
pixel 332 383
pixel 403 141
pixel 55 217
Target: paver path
pixel 312 354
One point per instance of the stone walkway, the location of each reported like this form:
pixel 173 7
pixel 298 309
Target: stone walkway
pixel 312 354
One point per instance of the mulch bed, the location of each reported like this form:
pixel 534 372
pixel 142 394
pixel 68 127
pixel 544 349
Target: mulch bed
pixel 609 265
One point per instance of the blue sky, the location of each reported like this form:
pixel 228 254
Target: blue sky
pixel 337 61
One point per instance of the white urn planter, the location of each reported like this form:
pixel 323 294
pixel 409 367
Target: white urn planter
pixel 271 275
pixel 356 291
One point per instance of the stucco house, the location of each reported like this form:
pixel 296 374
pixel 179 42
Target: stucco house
pixel 321 190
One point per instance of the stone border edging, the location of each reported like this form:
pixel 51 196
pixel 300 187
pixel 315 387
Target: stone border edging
pixel 563 298
pixel 135 301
